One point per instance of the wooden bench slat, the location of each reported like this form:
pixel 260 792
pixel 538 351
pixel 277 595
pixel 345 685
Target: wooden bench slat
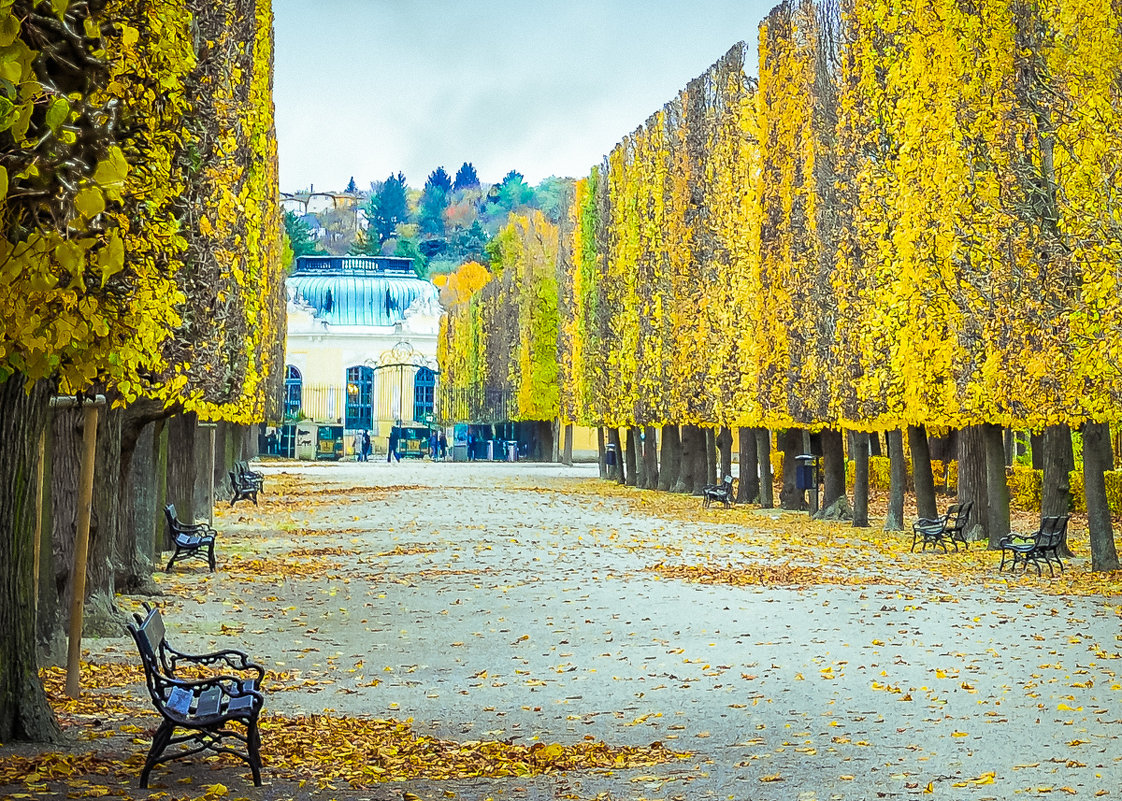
pixel 179 701
pixel 209 703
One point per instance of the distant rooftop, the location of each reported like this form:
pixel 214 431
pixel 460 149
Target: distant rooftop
pixel 351 265
pixel 358 290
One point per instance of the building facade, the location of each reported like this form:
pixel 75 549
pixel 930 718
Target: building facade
pixel 361 346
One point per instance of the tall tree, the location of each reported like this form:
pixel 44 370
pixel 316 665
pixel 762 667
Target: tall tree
pixel 466 177
pixel 387 208
pixel 352 187
pixel 300 236
pixel 439 179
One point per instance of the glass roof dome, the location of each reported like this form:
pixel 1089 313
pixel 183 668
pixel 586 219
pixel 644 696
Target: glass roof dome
pixel 358 290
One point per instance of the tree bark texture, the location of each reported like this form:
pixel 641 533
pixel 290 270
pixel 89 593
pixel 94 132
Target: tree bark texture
pixel 972 484
pixel 922 479
pixel 24 711
pixel 897 480
pixel 66 458
pixel 650 457
pixel 748 490
pixel 860 479
pixel 791 443
pixel 629 458
pixel 711 456
pixel 567 453
pixel 767 478
pixel 670 461
pixel 704 455
pixel 101 618
pixel 833 466
pixel 204 492
pixel 687 463
pixel 724 452
pixel 602 452
pixel 1097 459
pixel 996 484
pixel 181 465
pixel 1058 460
pixel 616 473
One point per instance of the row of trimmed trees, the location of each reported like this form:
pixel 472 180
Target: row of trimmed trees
pixel 142 259
pixel 909 220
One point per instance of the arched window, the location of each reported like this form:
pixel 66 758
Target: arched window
pixel 360 397
pixel 424 391
pixel 293 392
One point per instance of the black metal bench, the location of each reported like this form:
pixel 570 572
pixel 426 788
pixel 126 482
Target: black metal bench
pixel 1043 545
pixel 250 476
pixel 203 708
pixel 191 540
pixel 717 493
pixel 244 488
pixel 948 528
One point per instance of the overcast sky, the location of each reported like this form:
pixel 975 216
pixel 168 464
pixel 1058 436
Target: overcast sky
pixel 369 87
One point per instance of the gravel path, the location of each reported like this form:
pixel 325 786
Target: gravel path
pixel 492 601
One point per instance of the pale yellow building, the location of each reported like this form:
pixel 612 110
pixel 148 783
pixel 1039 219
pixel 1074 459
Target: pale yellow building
pixel 361 347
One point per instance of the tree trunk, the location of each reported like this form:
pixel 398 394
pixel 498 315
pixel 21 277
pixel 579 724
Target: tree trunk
pixel 996 485
pixel 617 473
pixel 972 484
pixel 833 467
pixel 24 711
pixel 629 458
pixel 767 477
pixel 710 456
pixel 1010 445
pixel 921 472
pixel 567 454
pixel 860 479
pixel 897 480
pixel 1058 459
pixel 748 491
pixel 704 453
pixel 161 538
pixel 874 444
pixel 204 492
pixel 671 459
pixel 602 452
pixel 687 462
pixel 791 443
pixel 555 428
pixel 102 618
pixel 650 456
pixel 66 459
pixel 181 465
pixel 724 451
pixel 1036 442
pixel 1097 459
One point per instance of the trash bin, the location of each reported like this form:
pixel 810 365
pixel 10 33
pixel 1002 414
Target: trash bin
pixel 512 451
pixel 490 450
pixel 805 478
pixel 610 456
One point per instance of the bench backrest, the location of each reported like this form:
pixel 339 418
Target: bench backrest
pixel 1053 531
pixel 957 515
pixel 148 633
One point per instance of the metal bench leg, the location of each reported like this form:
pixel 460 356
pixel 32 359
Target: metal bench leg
pixel 253 747
pixel 160 741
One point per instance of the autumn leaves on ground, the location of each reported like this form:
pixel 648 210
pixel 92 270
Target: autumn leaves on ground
pixel 530 632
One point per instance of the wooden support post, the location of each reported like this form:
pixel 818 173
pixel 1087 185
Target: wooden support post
pixel 82 542
pixel 40 495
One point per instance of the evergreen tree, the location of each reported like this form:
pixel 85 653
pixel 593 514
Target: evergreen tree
pixel 439 179
pixel 466 177
pixel 387 208
pixel 300 236
pixel 352 187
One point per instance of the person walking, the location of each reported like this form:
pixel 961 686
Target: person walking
pixel 366 447
pixel 395 436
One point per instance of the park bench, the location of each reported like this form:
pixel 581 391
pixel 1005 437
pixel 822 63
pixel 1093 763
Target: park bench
pixel 244 488
pixel 191 540
pixel 717 493
pixel 250 476
pixel 202 706
pixel 1043 545
pixel 947 528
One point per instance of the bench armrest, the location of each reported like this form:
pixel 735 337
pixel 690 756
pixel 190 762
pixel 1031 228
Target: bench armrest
pixel 236 660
